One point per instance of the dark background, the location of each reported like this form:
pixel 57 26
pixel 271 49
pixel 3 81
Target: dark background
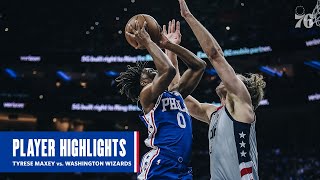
pixel 62 31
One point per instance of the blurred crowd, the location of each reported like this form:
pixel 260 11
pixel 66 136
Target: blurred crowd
pixel 278 165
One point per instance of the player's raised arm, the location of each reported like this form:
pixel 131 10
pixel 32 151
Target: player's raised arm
pixel 166 70
pixel 215 54
pixel 200 111
pixel 174 37
pixel 196 66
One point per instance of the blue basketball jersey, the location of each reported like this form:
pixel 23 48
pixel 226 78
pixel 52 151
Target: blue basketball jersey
pixel 169 126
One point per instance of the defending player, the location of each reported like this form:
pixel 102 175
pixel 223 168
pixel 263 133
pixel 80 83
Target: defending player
pixel 164 111
pixel 232 139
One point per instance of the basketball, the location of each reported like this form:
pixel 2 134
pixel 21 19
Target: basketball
pixel 152 28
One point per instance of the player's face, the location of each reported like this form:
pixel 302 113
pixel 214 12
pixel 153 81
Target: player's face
pixel 148 75
pixel 221 89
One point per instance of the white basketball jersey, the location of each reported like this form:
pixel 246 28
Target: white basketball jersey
pixel 232 148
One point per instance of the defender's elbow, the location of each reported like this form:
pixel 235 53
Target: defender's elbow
pixel 199 66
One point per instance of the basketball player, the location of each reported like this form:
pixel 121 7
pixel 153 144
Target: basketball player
pixel 232 139
pixel 164 111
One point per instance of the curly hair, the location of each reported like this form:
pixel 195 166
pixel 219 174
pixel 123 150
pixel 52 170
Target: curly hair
pixel 130 81
pixel 255 85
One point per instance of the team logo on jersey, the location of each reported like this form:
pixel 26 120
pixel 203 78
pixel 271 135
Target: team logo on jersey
pixel 172 104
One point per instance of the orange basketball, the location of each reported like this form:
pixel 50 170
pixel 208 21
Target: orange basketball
pixel 152 28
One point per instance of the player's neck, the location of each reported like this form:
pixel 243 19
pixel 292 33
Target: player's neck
pixel 223 101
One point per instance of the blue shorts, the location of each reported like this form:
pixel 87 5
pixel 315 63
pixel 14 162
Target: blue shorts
pixel 156 166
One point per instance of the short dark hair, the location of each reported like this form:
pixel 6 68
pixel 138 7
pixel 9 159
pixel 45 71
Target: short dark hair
pixel 255 85
pixel 129 81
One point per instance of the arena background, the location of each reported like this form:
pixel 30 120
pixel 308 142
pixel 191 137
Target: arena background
pixel 43 77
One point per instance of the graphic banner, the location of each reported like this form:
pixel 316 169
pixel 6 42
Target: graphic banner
pixel 69 151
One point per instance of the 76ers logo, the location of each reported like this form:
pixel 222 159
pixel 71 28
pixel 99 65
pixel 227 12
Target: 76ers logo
pixel 308 20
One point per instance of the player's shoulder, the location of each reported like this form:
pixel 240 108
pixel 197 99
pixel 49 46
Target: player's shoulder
pixel 212 110
pixel 242 113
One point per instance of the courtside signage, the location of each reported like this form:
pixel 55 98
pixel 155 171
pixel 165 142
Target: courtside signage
pixel 69 151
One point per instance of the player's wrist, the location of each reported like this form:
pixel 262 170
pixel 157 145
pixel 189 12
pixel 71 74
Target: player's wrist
pixel 170 53
pixel 148 43
pixel 188 16
pixel 168 45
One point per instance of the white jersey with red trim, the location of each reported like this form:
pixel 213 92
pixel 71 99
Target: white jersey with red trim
pixel 232 148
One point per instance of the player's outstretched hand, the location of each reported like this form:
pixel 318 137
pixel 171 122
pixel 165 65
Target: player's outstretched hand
pixel 184 10
pixel 173 34
pixel 140 35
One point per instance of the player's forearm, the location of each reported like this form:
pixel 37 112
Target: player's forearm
pixel 208 43
pixel 189 58
pixel 196 110
pixel 161 61
pixel 173 57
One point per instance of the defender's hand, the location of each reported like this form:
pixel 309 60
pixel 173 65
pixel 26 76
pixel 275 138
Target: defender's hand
pixel 184 10
pixel 173 35
pixel 140 35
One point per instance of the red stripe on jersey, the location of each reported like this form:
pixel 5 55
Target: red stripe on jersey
pixel 219 108
pixel 154 129
pixel 150 163
pixel 245 171
pixel 138 149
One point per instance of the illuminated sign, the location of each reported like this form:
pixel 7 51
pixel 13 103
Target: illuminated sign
pixel 313 42
pixel 13 105
pixel 314 97
pixel 264 102
pixel 104 107
pixel 30 58
pixel 115 59
pixel 271 71
pixel 241 51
